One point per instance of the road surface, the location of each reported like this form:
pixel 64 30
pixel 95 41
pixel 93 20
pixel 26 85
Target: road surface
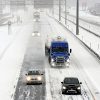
pixel 82 65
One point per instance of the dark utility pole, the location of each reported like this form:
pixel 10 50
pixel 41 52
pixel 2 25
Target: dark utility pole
pixel 59 10
pixel 77 17
pixel 9 27
pixel 65 12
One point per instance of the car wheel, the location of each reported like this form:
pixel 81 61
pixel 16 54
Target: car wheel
pixel 43 82
pixel 79 92
pixel 63 92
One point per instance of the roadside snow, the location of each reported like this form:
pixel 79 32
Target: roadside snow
pixel 89 39
pixel 85 15
pixel 12 52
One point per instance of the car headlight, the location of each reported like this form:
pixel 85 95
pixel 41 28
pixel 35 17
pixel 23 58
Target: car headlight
pixel 39 78
pixel 38 34
pixel 79 88
pixel 28 78
pixel 64 87
pixel 33 34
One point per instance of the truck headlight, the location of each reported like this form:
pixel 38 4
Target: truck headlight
pixel 39 78
pixel 64 87
pixel 79 88
pixel 28 78
pixel 52 63
pixel 52 60
pixel 68 60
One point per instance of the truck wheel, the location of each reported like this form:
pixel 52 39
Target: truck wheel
pixel 49 59
pixel 67 64
pixel 46 51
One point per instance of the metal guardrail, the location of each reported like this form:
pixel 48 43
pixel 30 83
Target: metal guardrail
pixel 83 27
pixel 92 51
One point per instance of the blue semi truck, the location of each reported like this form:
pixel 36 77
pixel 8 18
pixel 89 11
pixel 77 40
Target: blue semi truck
pixel 58 52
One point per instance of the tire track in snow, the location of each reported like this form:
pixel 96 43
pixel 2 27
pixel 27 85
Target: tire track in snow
pixel 86 91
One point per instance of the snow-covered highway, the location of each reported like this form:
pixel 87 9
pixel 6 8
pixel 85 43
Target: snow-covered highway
pixel 28 52
pixel 80 67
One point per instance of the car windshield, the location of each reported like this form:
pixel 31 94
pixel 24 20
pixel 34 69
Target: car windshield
pixel 35 31
pixel 36 13
pixel 33 73
pixel 59 49
pixel 71 81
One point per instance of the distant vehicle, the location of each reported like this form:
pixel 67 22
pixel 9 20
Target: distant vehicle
pixel 36 34
pixel 34 77
pixel 95 10
pixel 58 52
pixel 36 15
pixel 71 85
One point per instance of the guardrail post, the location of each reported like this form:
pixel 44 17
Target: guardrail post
pixel 82 38
pixel 90 44
pixel 59 10
pixel 65 12
pixel 98 46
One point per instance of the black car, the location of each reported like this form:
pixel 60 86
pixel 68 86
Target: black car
pixel 71 85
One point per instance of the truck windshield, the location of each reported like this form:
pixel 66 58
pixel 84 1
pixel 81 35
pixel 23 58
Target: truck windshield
pixel 59 49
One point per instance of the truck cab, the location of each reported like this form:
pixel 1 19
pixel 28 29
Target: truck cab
pixel 58 51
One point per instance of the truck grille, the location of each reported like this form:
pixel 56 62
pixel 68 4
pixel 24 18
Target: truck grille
pixel 60 60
